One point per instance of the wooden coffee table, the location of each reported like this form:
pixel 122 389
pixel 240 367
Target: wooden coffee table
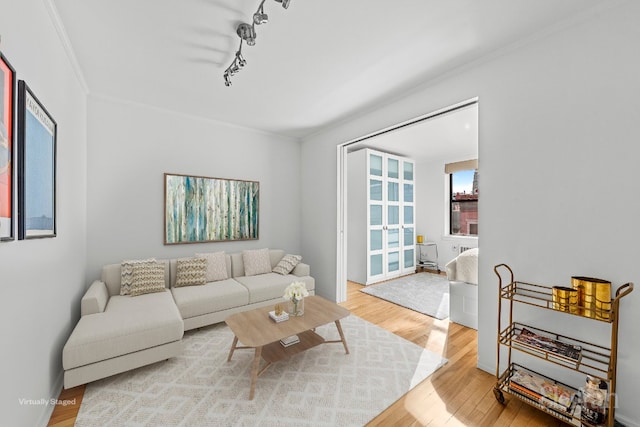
pixel 254 329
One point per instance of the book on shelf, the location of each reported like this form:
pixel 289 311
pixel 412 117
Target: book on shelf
pixel 281 318
pixel 293 339
pixel 546 391
pixel 556 350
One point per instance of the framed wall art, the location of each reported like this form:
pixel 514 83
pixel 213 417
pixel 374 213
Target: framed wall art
pixel 36 167
pixel 201 209
pixel 7 99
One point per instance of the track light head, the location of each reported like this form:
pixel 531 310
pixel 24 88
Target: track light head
pixel 260 17
pixel 240 59
pixel 247 33
pixel 285 3
pixel 227 79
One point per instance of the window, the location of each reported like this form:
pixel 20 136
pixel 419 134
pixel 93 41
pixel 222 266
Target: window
pixel 463 206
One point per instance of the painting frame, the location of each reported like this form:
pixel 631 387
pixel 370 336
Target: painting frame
pixel 37 143
pixel 7 131
pixel 200 209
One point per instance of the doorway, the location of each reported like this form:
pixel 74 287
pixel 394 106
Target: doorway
pixel 449 134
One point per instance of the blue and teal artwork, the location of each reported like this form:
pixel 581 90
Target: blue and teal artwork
pixel 201 209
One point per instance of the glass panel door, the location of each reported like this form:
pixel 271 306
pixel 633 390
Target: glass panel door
pixel 375 265
pixel 407 171
pixel 393 262
pixel 393 167
pixel 409 259
pixel 375 165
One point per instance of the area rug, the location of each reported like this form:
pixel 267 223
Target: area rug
pixel 425 293
pixel 321 386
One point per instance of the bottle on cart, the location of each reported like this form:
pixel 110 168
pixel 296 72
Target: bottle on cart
pixel 594 401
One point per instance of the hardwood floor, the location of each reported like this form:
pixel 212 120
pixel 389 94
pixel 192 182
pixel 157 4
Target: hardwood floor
pixel 458 394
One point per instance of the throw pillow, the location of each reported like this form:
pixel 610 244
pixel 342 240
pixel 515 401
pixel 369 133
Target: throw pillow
pixel 256 262
pixel 216 266
pixel 126 277
pixel 287 264
pixel 191 272
pixel 147 278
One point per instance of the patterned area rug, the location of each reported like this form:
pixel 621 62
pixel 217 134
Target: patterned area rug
pixel 425 293
pixel 321 386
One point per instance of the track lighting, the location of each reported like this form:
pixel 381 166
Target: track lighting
pixel 247 34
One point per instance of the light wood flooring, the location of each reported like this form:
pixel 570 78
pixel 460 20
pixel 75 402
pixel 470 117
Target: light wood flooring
pixel 458 394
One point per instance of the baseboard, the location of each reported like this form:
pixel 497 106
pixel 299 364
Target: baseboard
pixel 56 389
pixel 627 422
pixel 488 369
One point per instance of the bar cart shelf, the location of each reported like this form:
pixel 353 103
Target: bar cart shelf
pixel 578 355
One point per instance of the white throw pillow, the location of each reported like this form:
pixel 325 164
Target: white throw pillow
pixel 287 264
pixel 256 261
pixel 216 266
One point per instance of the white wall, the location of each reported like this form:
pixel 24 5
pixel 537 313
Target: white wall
pixel 132 146
pixel 42 280
pixel 558 159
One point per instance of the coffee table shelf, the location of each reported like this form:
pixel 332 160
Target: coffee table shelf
pixel 275 352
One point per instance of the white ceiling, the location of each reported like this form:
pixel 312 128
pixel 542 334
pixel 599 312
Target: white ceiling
pixel 315 64
pixel 448 137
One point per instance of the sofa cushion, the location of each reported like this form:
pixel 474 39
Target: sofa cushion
pixel 256 261
pixel 191 272
pixel 112 276
pixel 216 266
pixel 287 264
pixel 268 286
pixel 126 269
pixel 127 325
pixel 147 278
pixel 237 265
pixel 195 301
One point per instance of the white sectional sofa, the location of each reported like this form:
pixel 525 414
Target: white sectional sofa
pixel 117 333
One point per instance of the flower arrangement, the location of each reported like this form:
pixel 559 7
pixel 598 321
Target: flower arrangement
pixel 295 293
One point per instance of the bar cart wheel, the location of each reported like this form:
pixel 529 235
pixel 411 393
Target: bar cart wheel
pixel 499 395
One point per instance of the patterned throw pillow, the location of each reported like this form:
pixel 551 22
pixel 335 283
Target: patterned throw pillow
pixel 127 273
pixel 147 278
pixel 256 262
pixel 216 266
pixel 191 272
pixel 287 264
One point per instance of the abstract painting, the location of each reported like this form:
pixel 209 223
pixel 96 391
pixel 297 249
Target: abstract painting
pixel 36 168
pixel 7 89
pixel 200 209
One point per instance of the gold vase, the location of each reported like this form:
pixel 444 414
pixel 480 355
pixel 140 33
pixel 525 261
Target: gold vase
pixel 594 296
pixel 565 299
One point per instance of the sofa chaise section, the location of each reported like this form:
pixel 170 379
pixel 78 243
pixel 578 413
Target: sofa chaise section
pixel 119 333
